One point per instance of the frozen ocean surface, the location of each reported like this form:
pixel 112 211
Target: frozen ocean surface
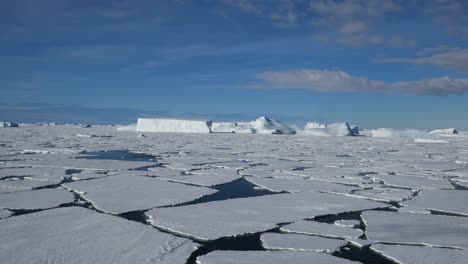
pixel 70 194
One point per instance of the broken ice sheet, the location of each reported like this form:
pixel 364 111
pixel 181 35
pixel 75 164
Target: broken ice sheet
pixel 297 185
pixel 300 242
pixel 270 257
pixel 73 162
pixel 415 182
pixel 209 221
pixel 421 255
pixel 207 177
pixel 323 229
pixel 76 235
pixel 124 193
pixel 37 199
pixel 389 194
pixel 442 201
pixel 417 228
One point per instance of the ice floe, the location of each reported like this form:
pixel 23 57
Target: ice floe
pixel 270 257
pixel 421 255
pixel 322 229
pixel 209 221
pixel 77 235
pixel 300 242
pixel 414 228
pixel 119 194
pixel 38 199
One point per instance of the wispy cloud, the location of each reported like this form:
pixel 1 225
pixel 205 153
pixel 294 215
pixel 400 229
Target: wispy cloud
pixel 340 81
pixel 454 59
pixel 451 14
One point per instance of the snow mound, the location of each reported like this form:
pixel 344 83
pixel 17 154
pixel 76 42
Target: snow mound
pixel 262 125
pixel 172 125
pixel 331 130
pixel 8 124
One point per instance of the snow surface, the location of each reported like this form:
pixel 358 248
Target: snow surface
pixel 442 201
pixel 277 241
pixel 209 221
pixel 322 229
pixel 172 125
pixel 77 235
pixel 421 255
pixel 272 257
pixel 417 228
pixel 119 194
pixel 38 199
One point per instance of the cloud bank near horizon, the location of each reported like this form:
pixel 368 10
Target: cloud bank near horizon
pixel 340 81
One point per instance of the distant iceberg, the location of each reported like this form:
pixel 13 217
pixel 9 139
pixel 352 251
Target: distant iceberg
pixel 331 130
pixel 8 124
pixel 262 125
pixel 172 125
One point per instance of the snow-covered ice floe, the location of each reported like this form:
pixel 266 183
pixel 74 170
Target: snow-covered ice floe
pixel 119 194
pixel 421 255
pixel 209 221
pixel 300 242
pixel 77 235
pixel 414 228
pixel 270 257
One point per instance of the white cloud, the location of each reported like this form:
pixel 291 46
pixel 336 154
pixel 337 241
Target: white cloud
pixel 454 59
pixel 339 81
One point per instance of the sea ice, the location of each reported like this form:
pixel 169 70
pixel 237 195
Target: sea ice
pixel 442 201
pixel 123 193
pixel 421 255
pixel 300 242
pixel 209 221
pixel 38 199
pixel 323 229
pixel 77 235
pixel 298 185
pixel 417 228
pixel 5 213
pixel 270 257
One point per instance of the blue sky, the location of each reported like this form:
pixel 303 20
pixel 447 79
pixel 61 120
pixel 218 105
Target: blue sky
pixel 377 63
